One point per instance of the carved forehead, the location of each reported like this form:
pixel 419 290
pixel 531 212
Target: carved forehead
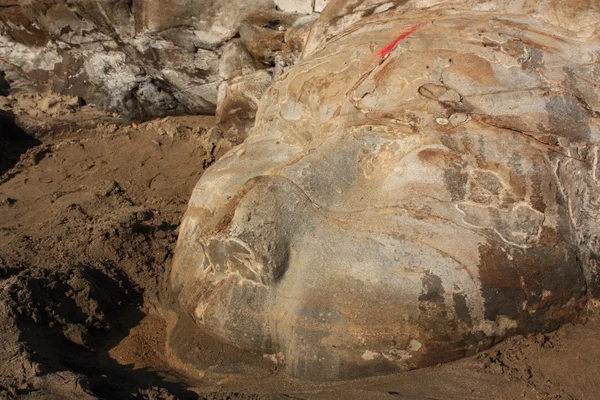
pixel 337 8
pixel 489 79
pixel 507 73
pixel 578 16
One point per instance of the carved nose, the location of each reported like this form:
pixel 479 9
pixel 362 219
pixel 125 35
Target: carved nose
pixel 232 257
pixel 262 225
pixel 249 235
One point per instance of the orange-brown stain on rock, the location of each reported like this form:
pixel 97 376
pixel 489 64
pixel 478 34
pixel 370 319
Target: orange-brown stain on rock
pixel 437 157
pixel 12 15
pixel 540 288
pixel 473 67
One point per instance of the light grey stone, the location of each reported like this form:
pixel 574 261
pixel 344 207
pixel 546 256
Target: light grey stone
pixel 235 61
pixel 295 6
pixel 320 5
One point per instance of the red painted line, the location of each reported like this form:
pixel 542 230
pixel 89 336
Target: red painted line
pixel 388 49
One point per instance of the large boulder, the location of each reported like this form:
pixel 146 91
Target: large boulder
pixel 148 58
pixel 421 185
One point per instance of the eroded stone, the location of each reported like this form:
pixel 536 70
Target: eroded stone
pixel 382 240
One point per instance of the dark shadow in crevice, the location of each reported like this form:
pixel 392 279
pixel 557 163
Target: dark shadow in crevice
pixel 14 141
pixel 4 84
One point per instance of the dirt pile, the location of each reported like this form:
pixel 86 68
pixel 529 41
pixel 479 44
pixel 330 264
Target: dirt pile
pixel 88 223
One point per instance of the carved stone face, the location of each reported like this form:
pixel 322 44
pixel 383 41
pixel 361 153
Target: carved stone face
pixel 395 211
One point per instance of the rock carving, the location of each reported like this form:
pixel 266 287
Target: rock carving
pixel 406 199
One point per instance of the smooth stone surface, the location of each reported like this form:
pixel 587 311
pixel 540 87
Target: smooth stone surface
pixel 295 6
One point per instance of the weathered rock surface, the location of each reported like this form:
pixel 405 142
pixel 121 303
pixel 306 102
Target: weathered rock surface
pixel 406 199
pixel 148 58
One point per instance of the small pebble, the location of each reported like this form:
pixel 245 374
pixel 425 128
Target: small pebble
pixel 458 118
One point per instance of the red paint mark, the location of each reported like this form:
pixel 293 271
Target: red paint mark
pixel 388 49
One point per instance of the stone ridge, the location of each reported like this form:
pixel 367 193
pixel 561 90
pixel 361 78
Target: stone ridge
pixel 152 58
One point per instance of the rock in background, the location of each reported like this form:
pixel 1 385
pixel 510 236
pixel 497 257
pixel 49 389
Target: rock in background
pixel 152 58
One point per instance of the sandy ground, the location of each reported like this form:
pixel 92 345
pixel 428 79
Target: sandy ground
pixel 89 210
